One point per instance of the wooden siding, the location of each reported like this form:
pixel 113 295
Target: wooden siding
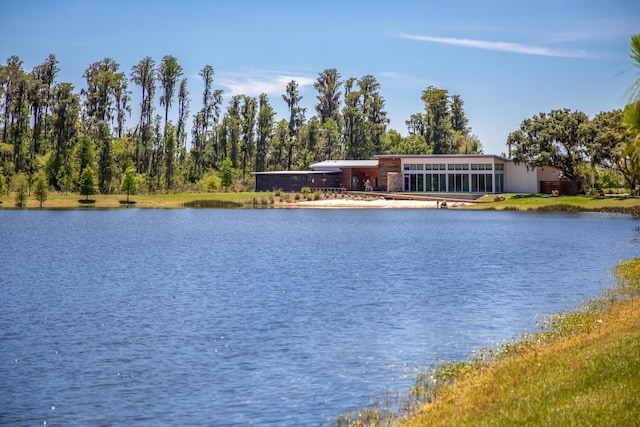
pixel 386 165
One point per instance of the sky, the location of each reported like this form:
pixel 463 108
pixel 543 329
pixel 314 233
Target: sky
pixel 507 59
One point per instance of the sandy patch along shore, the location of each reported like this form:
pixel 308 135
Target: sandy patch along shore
pixel 365 203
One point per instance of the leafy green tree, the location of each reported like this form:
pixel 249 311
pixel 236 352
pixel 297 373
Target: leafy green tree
pixel 128 184
pixel 87 182
pixel 65 115
pixel 459 119
pixel 374 113
pixel 437 119
pixel 226 174
pixel 394 143
pixel 104 84
pixel 22 189
pixel 416 125
pixel 2 181
pixel 41 190
pixel 557 139
pixel 264 132
pixel 233 124
pixel 331 143
pixel 328 87
pixel 277 158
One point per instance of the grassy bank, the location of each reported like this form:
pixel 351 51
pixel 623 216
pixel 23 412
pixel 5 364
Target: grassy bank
pixel 544 202
pixel 171 200
pixel 582 369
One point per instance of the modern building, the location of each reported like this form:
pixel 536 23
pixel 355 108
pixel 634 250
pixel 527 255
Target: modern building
pixel 438 173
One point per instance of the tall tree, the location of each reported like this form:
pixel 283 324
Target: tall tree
pixel 206 146
pixel 43 77
pixel 248 120
pixel 66 110
pixel 10 76
pixel 296 113
pixel 374 113
pixel 437 119
pixel 143 74
pixel 328 87
pixel 122 97
pixel 103 83
pixel 264 132
pixel 234 130
pixel 354 122
pixel 459 120
pixel 183 115
pixel 169 71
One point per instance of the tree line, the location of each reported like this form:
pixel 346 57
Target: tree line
pixel 52 129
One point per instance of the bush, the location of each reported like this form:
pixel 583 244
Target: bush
pixel 316 195
pixel 297 196
pixel 209 183
pixel 277 192
pixel 305 190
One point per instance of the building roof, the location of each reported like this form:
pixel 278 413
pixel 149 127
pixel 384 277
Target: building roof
pixel 439 156
pixel 294 172
pixel 339 164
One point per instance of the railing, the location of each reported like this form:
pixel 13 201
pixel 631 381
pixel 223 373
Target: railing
pixel 329 189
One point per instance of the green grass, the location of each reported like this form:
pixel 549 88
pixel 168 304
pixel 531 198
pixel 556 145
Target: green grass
pixel 543 202
pixel 170 200
pixel 583 368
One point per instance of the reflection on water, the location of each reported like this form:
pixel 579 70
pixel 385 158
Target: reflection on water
pixel 269 317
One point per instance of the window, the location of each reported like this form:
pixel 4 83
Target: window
pixel 488 166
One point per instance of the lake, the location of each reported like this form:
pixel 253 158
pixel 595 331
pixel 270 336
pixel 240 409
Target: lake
pixel 270 317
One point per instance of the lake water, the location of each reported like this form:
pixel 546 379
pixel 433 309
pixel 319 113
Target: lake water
pixel 270 317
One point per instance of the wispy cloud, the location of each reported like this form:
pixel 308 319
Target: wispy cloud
pixel 254 83
pixel 521 48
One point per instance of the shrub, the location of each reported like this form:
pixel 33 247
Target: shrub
pixel 305 190
pixel 209 183
pixel 297 196
pixel 277 192
pixel 316 195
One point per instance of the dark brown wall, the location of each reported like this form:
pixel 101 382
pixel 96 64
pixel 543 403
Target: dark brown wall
pixel 386 165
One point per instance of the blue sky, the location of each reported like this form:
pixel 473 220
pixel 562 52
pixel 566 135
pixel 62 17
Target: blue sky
pixel 507 59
